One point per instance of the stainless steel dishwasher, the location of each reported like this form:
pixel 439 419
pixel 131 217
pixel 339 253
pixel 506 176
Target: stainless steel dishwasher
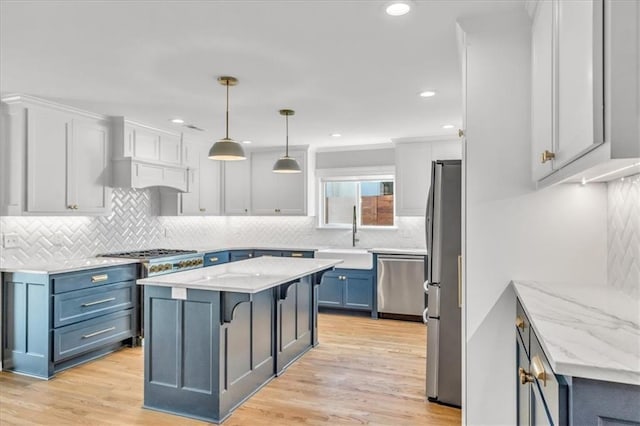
pixel 400 291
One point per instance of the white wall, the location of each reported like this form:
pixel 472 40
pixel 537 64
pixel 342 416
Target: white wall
pixel 512 231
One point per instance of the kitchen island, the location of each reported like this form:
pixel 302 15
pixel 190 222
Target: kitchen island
pixel 214 336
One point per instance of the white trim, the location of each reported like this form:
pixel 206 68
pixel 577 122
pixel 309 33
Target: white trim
pixel 357 172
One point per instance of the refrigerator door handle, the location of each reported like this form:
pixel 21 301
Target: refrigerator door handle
pixel 435 254
pixel 425 286
pixel 425 317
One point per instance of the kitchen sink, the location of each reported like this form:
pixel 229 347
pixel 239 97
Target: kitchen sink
pixel 353 258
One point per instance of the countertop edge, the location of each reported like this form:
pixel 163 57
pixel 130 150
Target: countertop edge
pixel 591 372
pixel 63 270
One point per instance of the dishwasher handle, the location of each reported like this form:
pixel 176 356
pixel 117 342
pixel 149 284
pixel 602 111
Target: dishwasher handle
pixel 404 258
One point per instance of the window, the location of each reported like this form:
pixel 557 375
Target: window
pixel 370 199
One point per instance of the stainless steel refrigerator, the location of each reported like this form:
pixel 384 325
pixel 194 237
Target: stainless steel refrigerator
pixel 442 314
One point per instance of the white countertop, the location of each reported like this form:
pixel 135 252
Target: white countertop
pixel 376 250
pixel 586 331
pixel 61 266
pixel 419 252
pixel 245 276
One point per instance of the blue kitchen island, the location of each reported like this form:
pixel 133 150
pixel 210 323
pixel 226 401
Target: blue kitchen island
pixel 214 336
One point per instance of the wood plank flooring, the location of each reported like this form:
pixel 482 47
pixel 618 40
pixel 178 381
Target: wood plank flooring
pixel 363 372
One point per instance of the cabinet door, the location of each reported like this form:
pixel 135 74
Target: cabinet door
pixel 290 190
pixel 542 88
pixel 49 135
pixel 358 292
pixel 191 152
pixel 331 290
pixel 146 144
pixel 539 416
pixel 170 149
pixel 89 171
pixel 209 183
pixel 236 187
pixel 264 184
pixel 524 390
pixel 413 178
pixel 580 111
pixel 189 201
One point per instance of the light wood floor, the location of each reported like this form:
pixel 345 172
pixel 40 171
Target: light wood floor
pixel 363 372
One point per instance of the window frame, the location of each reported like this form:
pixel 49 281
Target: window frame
pixel 355 174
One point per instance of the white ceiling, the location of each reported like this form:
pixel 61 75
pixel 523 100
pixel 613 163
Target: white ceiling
pixel 343 66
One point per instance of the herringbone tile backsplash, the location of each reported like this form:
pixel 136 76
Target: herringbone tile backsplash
pixel 623 234
pixel 134 224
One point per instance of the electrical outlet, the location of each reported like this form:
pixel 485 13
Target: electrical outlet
pixel 57 239
pixel 10 240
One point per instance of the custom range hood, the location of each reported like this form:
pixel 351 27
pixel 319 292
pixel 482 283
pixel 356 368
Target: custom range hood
pixel 145 157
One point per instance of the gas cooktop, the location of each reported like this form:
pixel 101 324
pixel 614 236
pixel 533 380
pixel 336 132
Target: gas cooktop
pixel 149 254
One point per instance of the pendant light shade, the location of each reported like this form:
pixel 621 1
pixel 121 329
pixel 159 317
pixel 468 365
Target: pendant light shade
pixel 226 149
pixel 287 164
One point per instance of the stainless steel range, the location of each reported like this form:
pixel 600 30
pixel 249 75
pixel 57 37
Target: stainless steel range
pixel 158 262
pixel 162 261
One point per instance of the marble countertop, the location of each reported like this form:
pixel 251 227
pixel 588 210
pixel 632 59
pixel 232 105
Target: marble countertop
pixel 376 250
pixel 245 276
pixel 586 331
pixel 61 266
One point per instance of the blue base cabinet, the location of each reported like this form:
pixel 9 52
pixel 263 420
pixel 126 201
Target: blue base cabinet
pixel 53 322
pixel 216 258
pixel 206 354
pixel 347 289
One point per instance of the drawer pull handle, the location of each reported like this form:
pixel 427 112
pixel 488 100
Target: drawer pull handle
pixel 99 278
pixel 213 259
pixel 520 322
pixel 97 302
pixel 297 255
pixel 538 370
pixel 524 376
pixel 106 330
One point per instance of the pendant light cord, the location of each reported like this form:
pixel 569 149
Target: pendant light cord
pixel 287 139
pixel 227 122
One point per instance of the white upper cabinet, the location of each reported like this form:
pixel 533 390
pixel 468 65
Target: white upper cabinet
pixel 542 88
pixel 237 187
pixel 580 109
pixel 278 193
pixel 585 96
pixel 145 157
pixel 67 159
pixel 413 172
pixel 204 176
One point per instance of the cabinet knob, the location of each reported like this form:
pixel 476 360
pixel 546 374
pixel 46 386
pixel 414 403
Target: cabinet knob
pixel 203 210
pixel 245 210
pixel 547 156
pixel 460 133
pixel 75 207
pixel 524 376
pixel 538 370
pixel 520 323
pixel 70 206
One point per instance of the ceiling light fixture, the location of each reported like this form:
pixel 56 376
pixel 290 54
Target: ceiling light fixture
pixel 246 142
pixel 427 93
pixel 448 126
pixel 227 149
pixel 398 8
pixel 286 164
pixel 335 135
pixel 177 121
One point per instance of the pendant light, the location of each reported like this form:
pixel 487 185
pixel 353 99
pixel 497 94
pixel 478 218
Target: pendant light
pixel 286 164
pixel 227 149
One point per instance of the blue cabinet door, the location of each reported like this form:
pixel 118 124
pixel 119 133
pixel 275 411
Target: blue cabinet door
pixel 331 290
pixel 358 292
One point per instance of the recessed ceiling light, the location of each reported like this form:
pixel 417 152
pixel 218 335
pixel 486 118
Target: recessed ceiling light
pixel 336 135
pixel 427 93
pixel 448 126
pixel 177 120
pixel 398 8
pixel 247 142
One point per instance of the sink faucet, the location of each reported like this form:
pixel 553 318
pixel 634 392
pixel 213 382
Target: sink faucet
pixel 354 228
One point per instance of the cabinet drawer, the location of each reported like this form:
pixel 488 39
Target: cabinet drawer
pixel 79 305
pixel 91 334
pixel 523 326
pixel 553 388
pixel 92 278
pixel 273 253
pixel 304 254
pixel 217 258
